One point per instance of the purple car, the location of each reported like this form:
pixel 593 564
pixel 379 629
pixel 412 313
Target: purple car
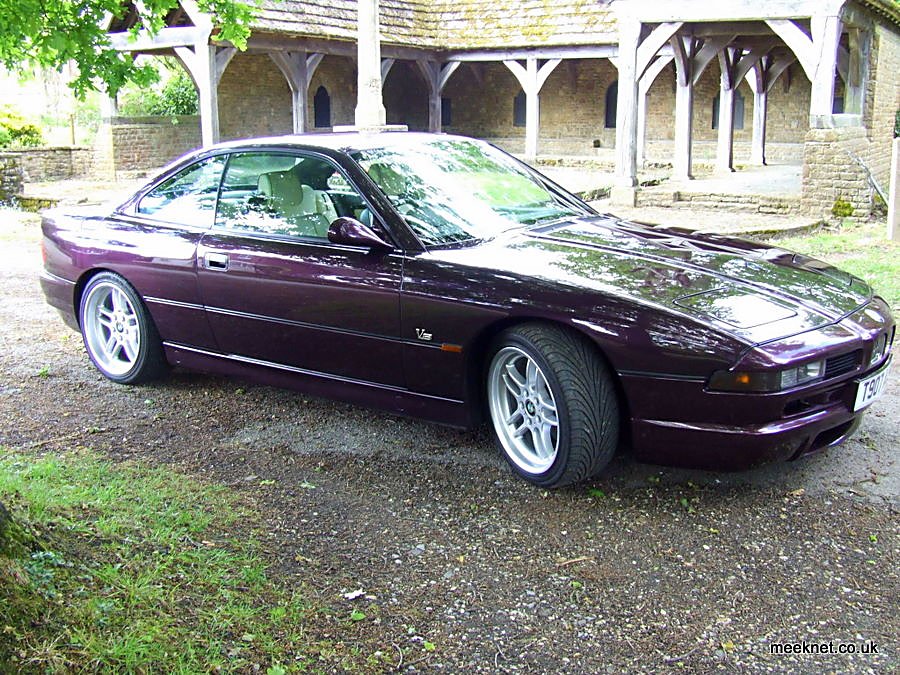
pixel 438 277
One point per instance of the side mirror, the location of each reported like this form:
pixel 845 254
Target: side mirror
pixel 351 232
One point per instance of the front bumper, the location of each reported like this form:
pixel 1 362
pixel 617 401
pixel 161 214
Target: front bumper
pixel 733 443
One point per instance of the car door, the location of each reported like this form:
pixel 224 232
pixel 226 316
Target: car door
pixel 156 236
pixel 278 292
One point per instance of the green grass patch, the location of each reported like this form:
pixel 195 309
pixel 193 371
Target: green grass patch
pixel 142 569
pixel 862 249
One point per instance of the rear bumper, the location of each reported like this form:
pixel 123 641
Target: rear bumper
pixel 735 444
pixel 60 294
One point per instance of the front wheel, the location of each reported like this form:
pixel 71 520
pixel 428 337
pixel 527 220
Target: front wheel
pixel 552 404
pixel 119 334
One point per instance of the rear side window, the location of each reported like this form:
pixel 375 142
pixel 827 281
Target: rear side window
pixel 188 197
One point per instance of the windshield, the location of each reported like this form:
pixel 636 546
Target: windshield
pixel 453 190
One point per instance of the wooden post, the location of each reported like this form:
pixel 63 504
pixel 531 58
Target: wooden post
pixel 298 69
pixel 532 77
pixel 369 104
pixel 205 64
pixel 826 34
pixel 757 82
pixel 436 77
pixel 893 220
pixel 626 108
pixel 684 108
pixel 727 86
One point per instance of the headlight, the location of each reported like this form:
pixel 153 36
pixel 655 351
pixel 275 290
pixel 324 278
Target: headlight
pixel 772 380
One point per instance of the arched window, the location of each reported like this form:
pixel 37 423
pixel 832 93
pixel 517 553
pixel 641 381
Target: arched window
pixel 738 111
pixel 519 110
pixel 322 108
pixel 612 102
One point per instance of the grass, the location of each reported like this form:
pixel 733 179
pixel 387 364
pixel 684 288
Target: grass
pixel 140 569
pixel 859 248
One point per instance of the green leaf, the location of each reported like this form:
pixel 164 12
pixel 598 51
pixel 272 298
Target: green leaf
pixel 356 615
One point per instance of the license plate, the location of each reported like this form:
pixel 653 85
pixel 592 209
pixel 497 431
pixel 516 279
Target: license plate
pixel 870 389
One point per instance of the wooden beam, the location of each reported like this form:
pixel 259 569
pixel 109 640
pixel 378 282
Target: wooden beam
pixel 166 38
pixel 651 45
pixel 729 10
pixel 799 42
pixel 603 51
pixel 711 47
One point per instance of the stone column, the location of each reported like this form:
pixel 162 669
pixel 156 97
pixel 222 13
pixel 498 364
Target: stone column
pixel 369 104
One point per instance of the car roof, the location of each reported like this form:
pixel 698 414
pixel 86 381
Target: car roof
pixel 340 141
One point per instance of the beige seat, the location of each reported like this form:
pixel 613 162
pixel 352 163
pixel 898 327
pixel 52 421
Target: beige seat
pixel 297 204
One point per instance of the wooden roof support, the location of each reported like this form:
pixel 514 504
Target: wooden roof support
pixel 298 69
pixel 436 77
pixel 531 77
pixel 205 64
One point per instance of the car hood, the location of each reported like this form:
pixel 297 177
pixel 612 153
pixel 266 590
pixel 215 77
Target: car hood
pixel 756 292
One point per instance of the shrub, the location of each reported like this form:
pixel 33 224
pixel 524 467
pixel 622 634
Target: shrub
pixel 842 209
pixel 177 97
pixel 15 130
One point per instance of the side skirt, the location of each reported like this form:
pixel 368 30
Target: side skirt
pixel 368 394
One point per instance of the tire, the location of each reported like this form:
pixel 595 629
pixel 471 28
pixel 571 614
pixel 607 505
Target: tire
pixel 552 404
pixel 118 332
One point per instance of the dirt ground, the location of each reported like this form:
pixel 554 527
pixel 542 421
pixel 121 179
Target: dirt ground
pixel 645 570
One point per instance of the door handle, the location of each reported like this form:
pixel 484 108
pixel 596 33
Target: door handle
pixel 216 261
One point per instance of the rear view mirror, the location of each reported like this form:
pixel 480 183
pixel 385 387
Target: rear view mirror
pixel 351 232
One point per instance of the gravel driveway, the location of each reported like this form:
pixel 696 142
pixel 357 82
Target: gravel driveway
pixel 646 569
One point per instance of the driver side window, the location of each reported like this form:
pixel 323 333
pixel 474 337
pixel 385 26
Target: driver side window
pixel 281 194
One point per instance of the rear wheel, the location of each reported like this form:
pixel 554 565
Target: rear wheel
pixel 552 404
pixel 119 334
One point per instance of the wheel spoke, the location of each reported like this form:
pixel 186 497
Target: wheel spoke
pixel 532 374
pixel 110 345
pixel 521 430
pixel 515 413
pixel 511 385
pixel 544 441
pixel 116 298
pixel 129 345
pixel 515 377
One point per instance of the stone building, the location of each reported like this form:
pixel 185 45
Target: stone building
pixel 729 83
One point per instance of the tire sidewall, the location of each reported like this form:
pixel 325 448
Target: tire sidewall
pixel 553 474
pixel 138 370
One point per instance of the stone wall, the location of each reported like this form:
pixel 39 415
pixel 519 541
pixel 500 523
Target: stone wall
pixel 11 179
pixel 338 75
pixel 47 164
pixel 140 144
pixel 254 99
pixel 830 172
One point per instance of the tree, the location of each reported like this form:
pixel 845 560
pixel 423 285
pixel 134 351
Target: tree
pixel 51 33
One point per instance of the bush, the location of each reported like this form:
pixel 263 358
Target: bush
pixel 842 209
pixel 15 130
pixel 177 97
